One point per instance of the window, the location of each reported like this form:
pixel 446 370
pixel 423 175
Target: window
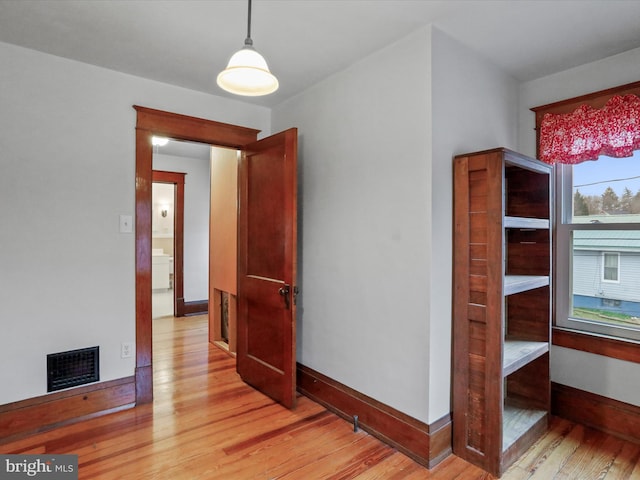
pixel 610 267
pixel 607 302
pixel 598 246
pixel 609 132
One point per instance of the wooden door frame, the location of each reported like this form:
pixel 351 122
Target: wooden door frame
pixel 177 180
pixel 179 127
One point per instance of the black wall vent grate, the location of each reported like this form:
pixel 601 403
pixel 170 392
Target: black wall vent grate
pixel 73 368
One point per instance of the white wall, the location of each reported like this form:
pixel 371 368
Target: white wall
pixel 474 108
pixel 67 163
pixel 376 208
pixel 364 213
pixel 593 373
pixel 196 221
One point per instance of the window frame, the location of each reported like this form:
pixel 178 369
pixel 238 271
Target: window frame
pixel 606 345
pixel 563 250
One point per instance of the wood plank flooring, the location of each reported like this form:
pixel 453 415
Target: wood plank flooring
pixel 206 424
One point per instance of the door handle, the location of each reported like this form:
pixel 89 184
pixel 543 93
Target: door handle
pixel 285 291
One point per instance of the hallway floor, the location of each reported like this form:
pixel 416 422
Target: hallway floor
pixel 161 303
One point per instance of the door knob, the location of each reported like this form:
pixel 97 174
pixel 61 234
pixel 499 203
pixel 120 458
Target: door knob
pixel 284 291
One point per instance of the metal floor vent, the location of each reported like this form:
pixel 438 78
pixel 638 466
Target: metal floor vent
pixel 73 368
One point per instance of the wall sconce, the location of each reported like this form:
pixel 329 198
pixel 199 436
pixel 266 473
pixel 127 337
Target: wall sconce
pixel 164 210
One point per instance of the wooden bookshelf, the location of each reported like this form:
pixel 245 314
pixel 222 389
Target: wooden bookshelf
pixel 502 306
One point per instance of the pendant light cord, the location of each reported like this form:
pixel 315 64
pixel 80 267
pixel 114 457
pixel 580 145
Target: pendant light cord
pixel 248 40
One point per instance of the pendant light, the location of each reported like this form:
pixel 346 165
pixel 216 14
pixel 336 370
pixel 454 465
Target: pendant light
pixel 247 72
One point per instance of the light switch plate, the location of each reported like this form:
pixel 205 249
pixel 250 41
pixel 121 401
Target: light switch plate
pixel 126 224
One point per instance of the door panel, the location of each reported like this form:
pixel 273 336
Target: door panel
pixel 266 198
pixel 267 243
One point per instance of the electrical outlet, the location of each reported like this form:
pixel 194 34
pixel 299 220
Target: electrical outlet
pixel 126 350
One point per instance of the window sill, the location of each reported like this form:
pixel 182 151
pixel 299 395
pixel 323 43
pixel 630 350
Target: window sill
pixel 612 347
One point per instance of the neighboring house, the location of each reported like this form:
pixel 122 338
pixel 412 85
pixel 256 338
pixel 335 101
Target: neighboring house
pixel 606 270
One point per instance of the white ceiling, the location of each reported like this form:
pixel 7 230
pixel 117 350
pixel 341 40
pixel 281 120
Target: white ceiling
pixel 187 42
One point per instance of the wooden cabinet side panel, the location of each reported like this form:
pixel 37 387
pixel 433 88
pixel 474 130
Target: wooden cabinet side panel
pixel 477 272
pixel 460 303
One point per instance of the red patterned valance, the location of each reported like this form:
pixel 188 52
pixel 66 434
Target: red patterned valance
pixel 587 133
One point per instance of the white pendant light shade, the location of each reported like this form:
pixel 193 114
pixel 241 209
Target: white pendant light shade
pixel 247 74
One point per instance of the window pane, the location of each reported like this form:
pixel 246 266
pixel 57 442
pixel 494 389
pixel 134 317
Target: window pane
pixel 607 190
pixel 611 266
pixel 606 277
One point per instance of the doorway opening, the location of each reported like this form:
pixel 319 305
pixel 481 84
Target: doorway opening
pixel 163 249
pixel 194 221
pixel 179 127
pixel 181 170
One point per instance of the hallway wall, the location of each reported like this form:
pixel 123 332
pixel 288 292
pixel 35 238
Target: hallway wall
pixel 196 221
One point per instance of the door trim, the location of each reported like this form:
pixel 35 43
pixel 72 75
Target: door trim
pixel 151 122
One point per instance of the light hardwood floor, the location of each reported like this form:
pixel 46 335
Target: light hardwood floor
pixel 206 424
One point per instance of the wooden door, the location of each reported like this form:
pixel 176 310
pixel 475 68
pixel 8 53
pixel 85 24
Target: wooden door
pixel 267 243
